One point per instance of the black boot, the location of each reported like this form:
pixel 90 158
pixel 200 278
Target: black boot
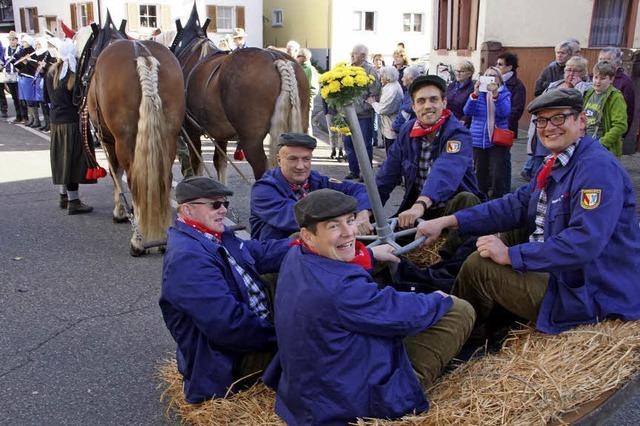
pixel 77 207
pixel 333 153
pixel 64 201
pixel 340 155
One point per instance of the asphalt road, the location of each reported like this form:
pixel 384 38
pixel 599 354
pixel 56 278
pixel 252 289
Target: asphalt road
pixel 81 330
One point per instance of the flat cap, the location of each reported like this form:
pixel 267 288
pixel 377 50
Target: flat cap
pixel 297 139
pixel 200 187
pixel 427 80
pixel 558 98
pixel 323 204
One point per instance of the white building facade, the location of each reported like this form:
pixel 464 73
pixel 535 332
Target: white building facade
pixel 143 16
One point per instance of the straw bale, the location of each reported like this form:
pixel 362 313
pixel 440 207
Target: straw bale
pixel 425 256
pixel 534 379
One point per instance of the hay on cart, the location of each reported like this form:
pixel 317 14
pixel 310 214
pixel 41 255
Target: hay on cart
pixel 534 379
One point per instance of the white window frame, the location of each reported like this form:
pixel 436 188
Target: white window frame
pixel 412 22
pixel 83 15
pixel 277 18
pixel 232 19
pixel 148 16
pixel 360 20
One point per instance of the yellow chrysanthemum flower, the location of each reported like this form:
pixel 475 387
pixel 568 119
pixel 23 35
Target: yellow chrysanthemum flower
pixel 334 86
pixel 361 80
pixel 348 81
pixel 324 92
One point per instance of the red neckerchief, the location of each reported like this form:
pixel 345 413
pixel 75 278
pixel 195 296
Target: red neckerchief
pixel 419 131
pixel 543 176
pixel 200 227
pixel 301 189
pixel 362 258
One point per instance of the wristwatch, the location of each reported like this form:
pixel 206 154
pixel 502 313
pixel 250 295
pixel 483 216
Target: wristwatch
pixel 424 205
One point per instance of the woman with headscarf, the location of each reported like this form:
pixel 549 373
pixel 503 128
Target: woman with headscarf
pixel 489 110
pixel 68 162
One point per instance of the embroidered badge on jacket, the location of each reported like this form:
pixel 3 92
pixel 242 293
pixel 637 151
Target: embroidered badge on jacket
pixel 590 198
pixel 453 147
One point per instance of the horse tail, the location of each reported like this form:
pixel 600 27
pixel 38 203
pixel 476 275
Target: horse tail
pixel 287 114
pixel 151 168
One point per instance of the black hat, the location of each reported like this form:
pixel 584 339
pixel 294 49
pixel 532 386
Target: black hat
pixel 557 98
pixel 427 80
pixel 200 187
pixel 297 139
pixel 323 204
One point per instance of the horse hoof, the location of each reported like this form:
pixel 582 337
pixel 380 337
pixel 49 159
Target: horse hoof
pixel 119 219
pixel 135 251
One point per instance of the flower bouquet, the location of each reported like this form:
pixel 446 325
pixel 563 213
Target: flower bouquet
pixel 343 84
pixel 339 125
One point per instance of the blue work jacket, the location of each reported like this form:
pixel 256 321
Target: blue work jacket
pixel 205 306
pixel 591 245
pixel 451 170
pixel 340 341
pixel 476 109
pixel 272 201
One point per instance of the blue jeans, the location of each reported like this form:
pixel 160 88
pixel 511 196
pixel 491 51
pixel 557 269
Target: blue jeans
pixel 366 127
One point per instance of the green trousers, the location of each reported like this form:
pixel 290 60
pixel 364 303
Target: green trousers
pixel 484 283
pixel 431 350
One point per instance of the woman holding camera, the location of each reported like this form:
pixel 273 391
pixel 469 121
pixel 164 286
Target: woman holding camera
pixel 489 106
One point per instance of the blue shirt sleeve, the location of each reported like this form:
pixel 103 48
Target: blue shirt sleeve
pixel 390 174
pixel 268 254
pixel 273 207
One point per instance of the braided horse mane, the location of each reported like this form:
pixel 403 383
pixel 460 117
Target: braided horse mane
pixel 287 116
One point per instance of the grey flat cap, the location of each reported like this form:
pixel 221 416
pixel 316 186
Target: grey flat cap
pixel 297 139
pixel 200 187
pixel 558 98
pixel 427 80
pixel 323 204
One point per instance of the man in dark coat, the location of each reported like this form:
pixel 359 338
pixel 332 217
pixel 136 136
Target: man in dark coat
pixel 277 191
pixel 576 256
pixel 347 349
pixel 213 300
pixel 432 155
pixel 555 70
pixel 507 63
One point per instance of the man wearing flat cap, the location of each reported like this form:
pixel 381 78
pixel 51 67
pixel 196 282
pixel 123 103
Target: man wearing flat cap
pixel 433 155
pixel 274 195
pixel 347 349
pixel 213 300
pixel 575 255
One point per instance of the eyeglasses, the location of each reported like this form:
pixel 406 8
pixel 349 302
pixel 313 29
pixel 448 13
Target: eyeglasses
pixel 214 205
pixel 500 64
pixel 557 120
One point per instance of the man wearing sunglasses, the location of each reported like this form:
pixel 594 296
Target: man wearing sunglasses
pixel 213 300
pixel 275 194
pixel 579 259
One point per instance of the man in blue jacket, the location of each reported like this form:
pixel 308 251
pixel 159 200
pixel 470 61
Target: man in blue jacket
pixel 213 300
pixel 434 157
pixel 275 194
pixel 580 258
pixel 346 348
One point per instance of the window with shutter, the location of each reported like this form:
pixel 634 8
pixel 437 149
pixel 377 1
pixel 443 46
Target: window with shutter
pixel 74 16
pixel 133 15
pixel 90 13
pixel 240 16
pixel 23 20
pixel 211 14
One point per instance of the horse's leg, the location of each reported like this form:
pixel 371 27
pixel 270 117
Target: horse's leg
pixel 195 148
pixel 220 161
pixel 254 152
pixel 119 214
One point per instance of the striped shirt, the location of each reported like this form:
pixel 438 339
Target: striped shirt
pixel 541 208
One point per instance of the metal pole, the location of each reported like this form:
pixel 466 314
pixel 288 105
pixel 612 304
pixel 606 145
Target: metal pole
pixel 382 224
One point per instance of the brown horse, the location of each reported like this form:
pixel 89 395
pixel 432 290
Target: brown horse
pixel 138 125
pixel 241 96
